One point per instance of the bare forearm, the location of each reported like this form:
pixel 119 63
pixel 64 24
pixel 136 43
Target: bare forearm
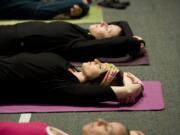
pixel 127 94
pixel 119 90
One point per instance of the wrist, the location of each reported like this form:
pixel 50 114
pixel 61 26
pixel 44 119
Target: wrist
pixel 119 91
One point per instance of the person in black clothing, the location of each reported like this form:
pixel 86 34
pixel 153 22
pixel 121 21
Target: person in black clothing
pixel 48 78
pixel 71 41
pixel 43 9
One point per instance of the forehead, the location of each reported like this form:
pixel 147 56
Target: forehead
pixel 118 128
pixel 103 65
pixel 114 27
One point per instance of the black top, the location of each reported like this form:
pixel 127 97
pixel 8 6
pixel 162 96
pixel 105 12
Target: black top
pixel 44 78
pixel 68 40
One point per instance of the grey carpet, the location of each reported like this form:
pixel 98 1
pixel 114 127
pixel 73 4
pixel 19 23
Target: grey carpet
pixel 157 21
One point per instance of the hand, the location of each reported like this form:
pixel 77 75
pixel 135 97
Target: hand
pixel 129 78
pixel 142 46
pixel 134 78
pixel 130 94
pixel 133 88
pixel 126 79
pixel 75 11
pixel 87 1
pixel 137 37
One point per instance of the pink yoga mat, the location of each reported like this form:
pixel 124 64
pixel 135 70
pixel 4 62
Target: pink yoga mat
pixel 152 100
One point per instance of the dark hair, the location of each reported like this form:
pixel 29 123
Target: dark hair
pixel 117 81
pixel 98 79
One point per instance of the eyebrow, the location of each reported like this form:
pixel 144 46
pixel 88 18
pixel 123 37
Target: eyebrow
pixel 100 65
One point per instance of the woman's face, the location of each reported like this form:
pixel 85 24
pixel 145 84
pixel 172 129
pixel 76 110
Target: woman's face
pixel 93 69
pixel 102 127
pixel 103 30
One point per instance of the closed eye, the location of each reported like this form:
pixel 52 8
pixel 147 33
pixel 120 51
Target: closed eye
pixel 109 29
pixel 108 128
pixel 100 66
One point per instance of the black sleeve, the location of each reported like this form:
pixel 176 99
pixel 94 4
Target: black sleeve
pixel 9 40
pixel 84 93
pixel 110 47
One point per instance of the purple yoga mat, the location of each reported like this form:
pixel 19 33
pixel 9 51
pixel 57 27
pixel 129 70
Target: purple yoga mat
pixel 123 61
pixel 152 100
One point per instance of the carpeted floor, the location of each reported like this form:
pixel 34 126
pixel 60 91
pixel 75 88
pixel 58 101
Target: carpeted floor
pixel 157 21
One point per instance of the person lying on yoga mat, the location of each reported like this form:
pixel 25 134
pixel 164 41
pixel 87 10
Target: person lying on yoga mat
pixel 43 9
pixel 48 78
pixel 71 41
pixel 98 127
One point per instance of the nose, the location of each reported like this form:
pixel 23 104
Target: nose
pixel 104 24
pixel 102 122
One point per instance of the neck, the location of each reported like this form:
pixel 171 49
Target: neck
pixel 79 75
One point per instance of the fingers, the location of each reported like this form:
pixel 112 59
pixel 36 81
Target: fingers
pixel 134 87
pixel 87 1
pixel 129 79
pixel 137 37
pixel 138 81
pixel 130 100
pixel 75 11
pixel 127 100
pixel 134 78
pixel 142 45
pixel 136 132
pixel 126 79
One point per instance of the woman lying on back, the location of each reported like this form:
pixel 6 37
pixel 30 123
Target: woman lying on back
pixel 71 41
pixel 48 78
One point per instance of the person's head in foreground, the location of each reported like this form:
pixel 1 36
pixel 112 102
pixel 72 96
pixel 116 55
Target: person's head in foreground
pixel 104 30
pixel 102 127
pixel 99 127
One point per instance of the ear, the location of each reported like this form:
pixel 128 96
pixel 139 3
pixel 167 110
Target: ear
pixel 136 132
